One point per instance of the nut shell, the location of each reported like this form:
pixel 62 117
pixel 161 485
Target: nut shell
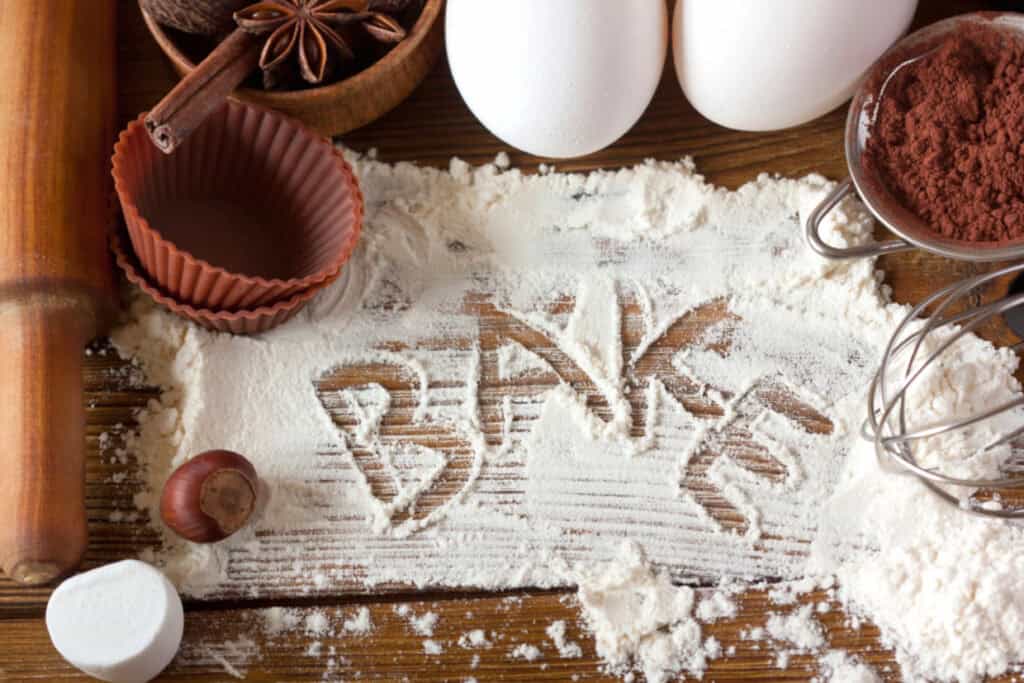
pixel 210 497
pixel 205 17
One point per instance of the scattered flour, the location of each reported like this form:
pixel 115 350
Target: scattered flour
pixel 456 266
pixel 838 667
pixel 424 624
pixel 799 628
pixel 713 647
pixel 640 620
pixel 277 620
pixel 566 648
pixel 756 633
pixel 473 639
pixel 528 653
pixel 360 623
pixel 317 623
pixel 718 606
pixel 515 360
pixel 432 647
pixel 789 592
pixel 233 656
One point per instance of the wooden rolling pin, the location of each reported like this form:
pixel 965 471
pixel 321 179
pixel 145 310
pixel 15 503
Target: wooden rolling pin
pixel 57 117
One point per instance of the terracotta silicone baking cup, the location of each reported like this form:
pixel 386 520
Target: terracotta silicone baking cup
pixel 251 210
pixel 254 321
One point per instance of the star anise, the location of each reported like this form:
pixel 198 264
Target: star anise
pixel 315 33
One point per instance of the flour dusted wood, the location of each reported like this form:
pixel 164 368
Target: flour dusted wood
pixel 697 388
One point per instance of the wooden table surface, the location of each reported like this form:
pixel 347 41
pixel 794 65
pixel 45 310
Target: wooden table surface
pixel 221 637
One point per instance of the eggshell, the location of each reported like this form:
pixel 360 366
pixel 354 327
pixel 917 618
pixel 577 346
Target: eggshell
pixel 767 64
pixel 557 78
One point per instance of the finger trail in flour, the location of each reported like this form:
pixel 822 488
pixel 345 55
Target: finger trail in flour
pixel 697 391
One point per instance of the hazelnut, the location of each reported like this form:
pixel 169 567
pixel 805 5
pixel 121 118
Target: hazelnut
pixel 210 497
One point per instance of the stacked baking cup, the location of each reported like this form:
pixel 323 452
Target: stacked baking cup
pixel 242 224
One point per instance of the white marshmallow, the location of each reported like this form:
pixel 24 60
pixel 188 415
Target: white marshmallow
pixel 120 623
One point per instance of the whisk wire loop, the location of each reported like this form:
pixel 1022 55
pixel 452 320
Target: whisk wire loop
pixel 917 343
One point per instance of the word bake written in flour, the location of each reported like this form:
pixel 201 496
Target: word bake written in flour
pixel 521 371
pixel 612 391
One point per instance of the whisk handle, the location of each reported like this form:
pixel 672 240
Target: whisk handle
pixel 813 226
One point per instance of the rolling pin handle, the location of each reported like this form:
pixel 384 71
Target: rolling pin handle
pixel 57 119
pixel 42 491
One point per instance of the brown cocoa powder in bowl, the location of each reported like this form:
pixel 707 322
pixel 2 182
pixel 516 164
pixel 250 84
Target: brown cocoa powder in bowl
pixel 948 138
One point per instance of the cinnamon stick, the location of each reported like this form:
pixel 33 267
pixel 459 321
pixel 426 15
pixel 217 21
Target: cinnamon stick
pixel 202 90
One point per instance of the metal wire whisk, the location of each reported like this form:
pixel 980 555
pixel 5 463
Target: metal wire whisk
pixel 887 423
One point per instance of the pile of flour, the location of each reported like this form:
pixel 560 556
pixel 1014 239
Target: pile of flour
pixel 544 488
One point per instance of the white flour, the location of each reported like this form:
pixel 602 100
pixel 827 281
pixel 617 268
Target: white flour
pixel 515 360
pixel 598 434
pixel 838 667
pixel 360 623
pixel 566 648
pixel 424 625
pixel 474 639
pixel 233 656
pixel 798 628
pixel 525 652
pixel 718 606
pixel 640 619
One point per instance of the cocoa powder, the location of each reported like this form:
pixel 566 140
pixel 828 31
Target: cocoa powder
pixel 948 139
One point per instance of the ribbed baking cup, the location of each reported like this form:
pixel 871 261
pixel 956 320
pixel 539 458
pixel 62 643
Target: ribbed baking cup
pixel 251 210
pixel 253 321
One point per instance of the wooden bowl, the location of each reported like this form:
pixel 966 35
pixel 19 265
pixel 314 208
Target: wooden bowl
pixel 355 101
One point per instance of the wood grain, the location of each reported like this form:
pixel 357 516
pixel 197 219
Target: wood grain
pixel 56 286
pixel 430 127
pixel 218 639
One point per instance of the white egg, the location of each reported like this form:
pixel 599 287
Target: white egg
pixel 557 78
pixel 769 64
